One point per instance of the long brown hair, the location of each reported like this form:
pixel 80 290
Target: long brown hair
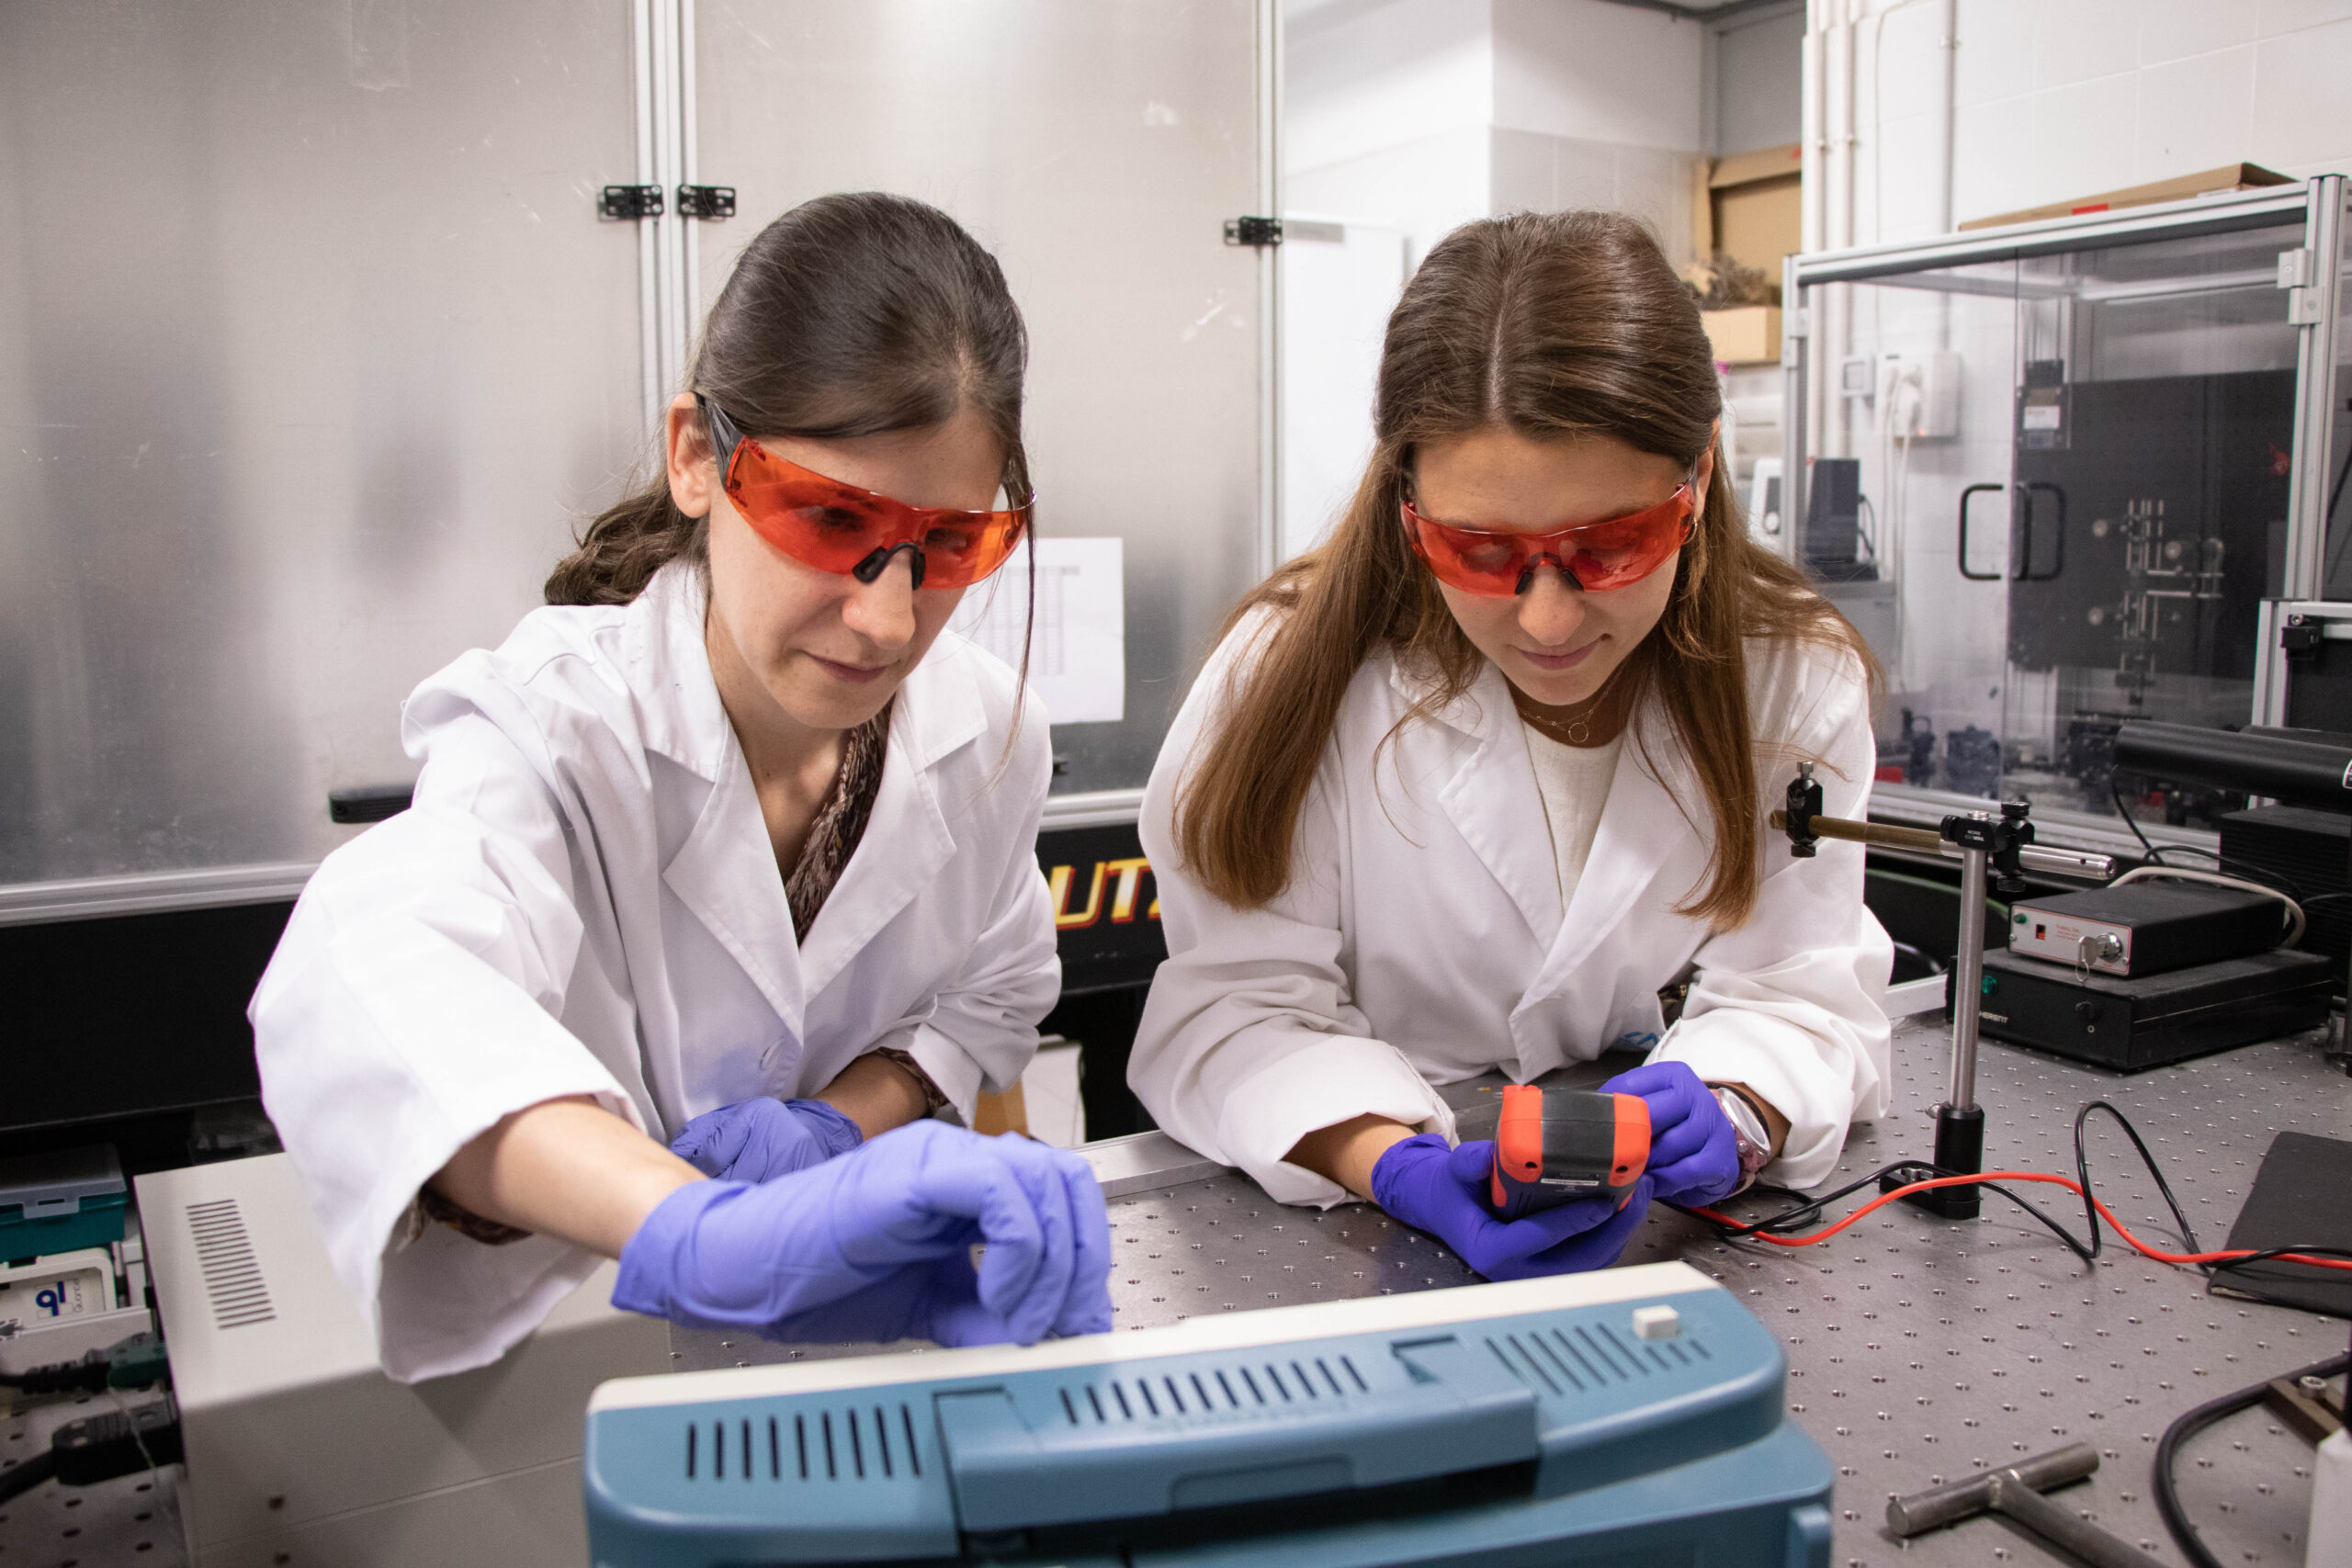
pixel 850 315
pixel 1551 326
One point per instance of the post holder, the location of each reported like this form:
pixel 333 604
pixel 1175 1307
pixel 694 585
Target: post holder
pixel 1994 851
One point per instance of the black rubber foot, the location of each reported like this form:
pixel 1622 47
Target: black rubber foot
pixel 1960 1148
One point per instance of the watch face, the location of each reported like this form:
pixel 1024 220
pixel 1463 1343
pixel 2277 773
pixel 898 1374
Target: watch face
pixel 1743 1118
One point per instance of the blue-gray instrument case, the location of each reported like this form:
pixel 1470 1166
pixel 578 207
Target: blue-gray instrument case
pixel 1632 1416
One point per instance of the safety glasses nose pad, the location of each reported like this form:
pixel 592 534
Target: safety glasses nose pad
pixel 878 561
pixel 1527 573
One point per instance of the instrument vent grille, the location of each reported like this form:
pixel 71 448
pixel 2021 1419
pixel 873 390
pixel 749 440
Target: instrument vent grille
pixel 1252 1385
pixel 1586 1357
pixel 224 1256
pixel 857 1442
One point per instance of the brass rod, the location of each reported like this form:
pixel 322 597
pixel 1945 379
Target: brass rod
pixel 1878 833
pixel 1921 841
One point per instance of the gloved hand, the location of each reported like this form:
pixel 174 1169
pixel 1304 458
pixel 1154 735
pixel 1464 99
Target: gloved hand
pixel 761 1139
pixel 1694 1154
pixel 1440 1191
pixel 874 1245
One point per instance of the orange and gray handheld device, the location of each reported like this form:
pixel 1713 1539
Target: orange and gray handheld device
pixel 1556 1145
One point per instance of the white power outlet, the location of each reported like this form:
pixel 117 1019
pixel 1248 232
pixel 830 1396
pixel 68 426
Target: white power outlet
pixel 1921 394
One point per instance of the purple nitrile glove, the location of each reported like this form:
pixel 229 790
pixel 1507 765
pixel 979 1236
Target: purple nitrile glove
pixel 1442 1192
pixel 874 1245
pixel 761 1139
pixel 1694 1154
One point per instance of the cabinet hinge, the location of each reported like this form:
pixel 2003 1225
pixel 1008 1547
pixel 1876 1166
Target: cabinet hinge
pixel 629 201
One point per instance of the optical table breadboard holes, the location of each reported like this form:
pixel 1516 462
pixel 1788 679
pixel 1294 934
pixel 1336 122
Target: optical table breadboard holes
pixel 1919 1350
pixel 133 1519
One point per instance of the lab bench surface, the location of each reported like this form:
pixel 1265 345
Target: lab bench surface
pixel 1919 1349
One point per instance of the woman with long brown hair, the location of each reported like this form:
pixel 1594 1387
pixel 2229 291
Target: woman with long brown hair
pixel 1480 781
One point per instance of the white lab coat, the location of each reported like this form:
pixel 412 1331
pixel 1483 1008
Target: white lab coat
pixel 585 901
pixel 1422 940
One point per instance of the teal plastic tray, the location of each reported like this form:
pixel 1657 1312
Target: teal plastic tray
pixel 56 1203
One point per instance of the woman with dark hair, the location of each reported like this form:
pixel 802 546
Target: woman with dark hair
pixel 731 849
pixel 1481 781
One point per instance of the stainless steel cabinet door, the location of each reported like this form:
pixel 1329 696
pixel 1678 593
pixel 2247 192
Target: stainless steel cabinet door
pixel 313 355
pixel 1097 148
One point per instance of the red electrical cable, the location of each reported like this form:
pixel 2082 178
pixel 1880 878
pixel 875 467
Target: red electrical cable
pixel 2068 1182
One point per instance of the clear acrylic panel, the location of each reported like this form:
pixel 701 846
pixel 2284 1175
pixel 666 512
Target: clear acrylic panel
pixel 1097 149
pixel 2155 423
pixel 1907 522
pixel 312 353
pixel 2052 492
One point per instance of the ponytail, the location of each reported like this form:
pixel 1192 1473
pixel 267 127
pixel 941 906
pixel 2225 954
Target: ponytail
pixel 627 544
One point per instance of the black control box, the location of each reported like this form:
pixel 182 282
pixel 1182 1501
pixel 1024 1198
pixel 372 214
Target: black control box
pixel 2145 928
pixel 2308 850
pixel 2131 1022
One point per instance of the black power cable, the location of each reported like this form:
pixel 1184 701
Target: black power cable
pixel 1805 1210
pixel 101 1447
pixel 2189 1426
pixel 2083 1174
pixel 2155 856
pixel 2180 1218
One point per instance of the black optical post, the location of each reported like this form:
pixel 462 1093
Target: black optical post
pixel 1991 849
pixel 1995 850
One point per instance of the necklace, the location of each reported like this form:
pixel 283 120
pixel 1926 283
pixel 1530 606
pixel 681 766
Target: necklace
pixel 1576 732
pixel 1569 730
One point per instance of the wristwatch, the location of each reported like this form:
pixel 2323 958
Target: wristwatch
pixel 1754 1142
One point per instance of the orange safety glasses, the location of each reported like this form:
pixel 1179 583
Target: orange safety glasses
pixel 838 527
pixel 1594 557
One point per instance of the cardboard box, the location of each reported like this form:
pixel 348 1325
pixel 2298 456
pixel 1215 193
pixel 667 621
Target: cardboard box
pixel 2208 182
pixel 1749 335
pixel 1749 207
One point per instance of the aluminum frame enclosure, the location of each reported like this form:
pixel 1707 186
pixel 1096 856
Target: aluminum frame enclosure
pixel 2311 303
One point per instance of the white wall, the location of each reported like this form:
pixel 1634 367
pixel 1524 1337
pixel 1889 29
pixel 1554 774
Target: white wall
pixel 1422 114
pixel 1361 76
pixel 1758 86
pixel 2062 98
pixel 1338 288
pixel 1594 72
pixel 1425 187
pixel 1404 119
pixel 1596 106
